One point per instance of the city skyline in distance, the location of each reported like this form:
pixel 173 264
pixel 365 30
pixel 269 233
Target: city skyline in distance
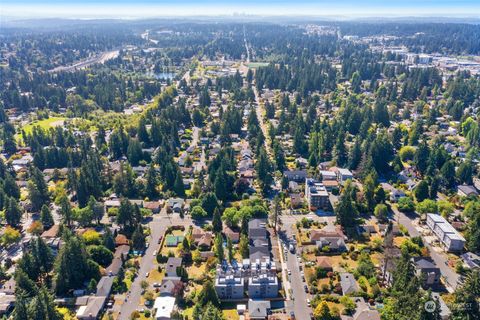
pixel 149 9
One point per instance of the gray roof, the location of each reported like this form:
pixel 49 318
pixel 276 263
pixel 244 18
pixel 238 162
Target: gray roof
pixel 92 309
pixel 348 283
pixel 471 259
pixel 258 309
pixel 104 286
pixel 468 189
pixel 334 243
pixel 258 253
pixel 172 264
pixel 168 285
pixel 424 263
pixel 257 228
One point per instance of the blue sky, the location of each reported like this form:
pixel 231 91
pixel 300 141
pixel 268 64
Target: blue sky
pixel 151 8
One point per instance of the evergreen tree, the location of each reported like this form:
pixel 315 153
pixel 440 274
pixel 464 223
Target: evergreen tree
pixel 178 186
pixel 134 152
pixel 346 210
pixel 138 238
pixel 209 203
pixel 217 221
pixel 42 256
pixel 37 188
pixel 448 174
pixel 20 312
pixel 71 266
pixel 421 191
pixel 219 252
pixel 243 246
pixel 430 314
pixel 264 169
pixel 65 209
pixel 24 285
pixel 13 213
pixel 340 151
pixel 355 155
pixel 381 151
pixel 229 250
pixel 108 240
pixel 46 217
pixel 369 192
pixel 210 312
pixel 151 182
pixel 380 113
pixel 466 305
pixel 421 157
pixel 208 295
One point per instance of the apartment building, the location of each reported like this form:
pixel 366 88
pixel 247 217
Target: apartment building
pixel 451 239
pixel 316 195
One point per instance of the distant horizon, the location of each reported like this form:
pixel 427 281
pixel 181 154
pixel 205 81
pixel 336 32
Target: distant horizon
pixel 339 9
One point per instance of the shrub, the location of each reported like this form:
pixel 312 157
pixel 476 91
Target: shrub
pixel 406 204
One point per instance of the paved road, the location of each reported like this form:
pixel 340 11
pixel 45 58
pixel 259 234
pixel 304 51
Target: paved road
pixel 158 226
pixel 283 263
pixel 299 297
pixel 195 136
pixel 448 274
pixel 246 44
pixel 261 120
pixel 100 58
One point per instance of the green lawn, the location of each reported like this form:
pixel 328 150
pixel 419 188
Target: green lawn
pixel 44 124
pixel 257 64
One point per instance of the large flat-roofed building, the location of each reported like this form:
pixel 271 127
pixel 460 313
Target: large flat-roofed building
pixel 263 284
pixel 229 282
pixel 445 232
pixel 316 195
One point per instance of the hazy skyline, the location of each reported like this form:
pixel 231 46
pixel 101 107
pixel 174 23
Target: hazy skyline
pixel 151 8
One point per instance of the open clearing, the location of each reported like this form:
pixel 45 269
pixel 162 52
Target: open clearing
pixel 45 124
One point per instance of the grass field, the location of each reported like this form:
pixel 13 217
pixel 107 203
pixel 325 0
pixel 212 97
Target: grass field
pixel 257 64
pixel 44 124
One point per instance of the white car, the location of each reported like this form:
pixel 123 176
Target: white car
pixel 289 272
pixel 147 274
pixel 308 302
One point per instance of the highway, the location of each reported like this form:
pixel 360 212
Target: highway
pixel 100 58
